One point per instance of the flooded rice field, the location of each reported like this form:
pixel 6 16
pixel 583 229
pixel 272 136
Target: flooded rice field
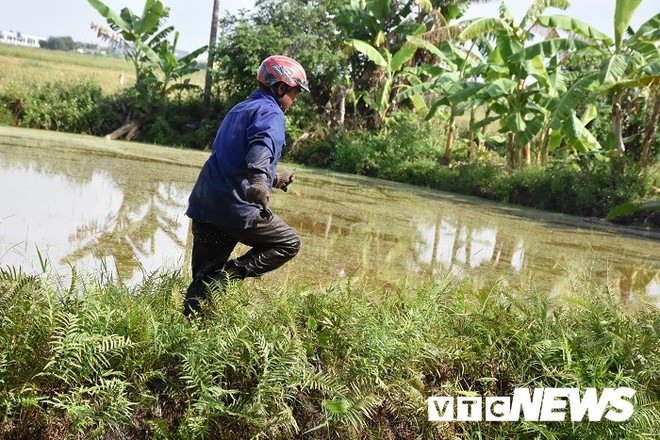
pixel 118 208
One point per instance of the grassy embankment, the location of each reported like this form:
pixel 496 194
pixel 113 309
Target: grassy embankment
pixel 98 360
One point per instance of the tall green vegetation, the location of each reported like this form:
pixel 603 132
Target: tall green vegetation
pixel 298 28
pixel 348 90
pixel 93 359
pixel 407 150
pixel 524 86
pixel 520 83
pixel 633 69
pixel 78 107
pixel 420 58
pixel 157 70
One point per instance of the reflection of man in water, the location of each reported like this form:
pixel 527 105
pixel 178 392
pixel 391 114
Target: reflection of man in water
pixel 229 203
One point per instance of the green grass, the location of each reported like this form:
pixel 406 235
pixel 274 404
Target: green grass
pixel 27 67
pixel 61 57
pixel 97 360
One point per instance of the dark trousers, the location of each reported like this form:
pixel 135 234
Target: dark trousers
pixel 273 243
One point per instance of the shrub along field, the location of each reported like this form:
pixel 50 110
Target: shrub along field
pixel 82 93
pixel 97 360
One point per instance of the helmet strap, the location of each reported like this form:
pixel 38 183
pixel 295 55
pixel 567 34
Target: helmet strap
pixel 279 96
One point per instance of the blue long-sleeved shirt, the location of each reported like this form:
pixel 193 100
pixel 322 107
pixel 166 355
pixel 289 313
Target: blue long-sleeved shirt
pixel 251 137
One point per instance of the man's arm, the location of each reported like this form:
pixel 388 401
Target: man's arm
pixel 265 136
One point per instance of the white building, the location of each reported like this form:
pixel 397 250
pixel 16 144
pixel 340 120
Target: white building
pixel 19 39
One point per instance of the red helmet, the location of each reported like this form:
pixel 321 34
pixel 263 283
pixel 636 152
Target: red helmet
pixel 278 68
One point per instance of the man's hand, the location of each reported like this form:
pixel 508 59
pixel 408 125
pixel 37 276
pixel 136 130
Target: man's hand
pixel 283 179
pixel 258 193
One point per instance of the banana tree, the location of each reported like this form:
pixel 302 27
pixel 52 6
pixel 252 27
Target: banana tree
pixel 629 66
pixel 140 33
pixel 169 71
pixel 442 73
pixel 386 26
pixel 390 68
pixel 463 61
pixel 149 49
pixel 633 64
pixel 452 85
pixel 375 32
pixel 485 75
pixel 523 83
pixel 378 22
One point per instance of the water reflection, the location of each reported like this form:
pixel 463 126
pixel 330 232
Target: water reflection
pixel 481 252
pixel 139 230
pixel 448 246
pixel 106 211
pixel 92 206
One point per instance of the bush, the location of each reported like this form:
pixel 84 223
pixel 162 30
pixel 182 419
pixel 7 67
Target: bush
pixel 82 108
pixel 404 139
pixel 561 187
pixel 410 151
pixel 315 153
pixel 464 178
pixel 56 106
pixel 6 116
pixel 405 152
pixel 182 122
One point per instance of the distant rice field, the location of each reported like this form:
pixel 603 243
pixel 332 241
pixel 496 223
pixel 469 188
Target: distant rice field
pixel 26 66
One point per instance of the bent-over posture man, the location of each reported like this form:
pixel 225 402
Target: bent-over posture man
pixel 230 200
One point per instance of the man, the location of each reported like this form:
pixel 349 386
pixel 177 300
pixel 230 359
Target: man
pixel 230 200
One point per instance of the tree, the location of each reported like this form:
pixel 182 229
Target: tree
pixel 391 67
pixel 58 43
pixel 627 72
pixel 147 46
pixel 296 28
pixel 522 84
pixel 386 32
pixel 208 82
pixel 632 65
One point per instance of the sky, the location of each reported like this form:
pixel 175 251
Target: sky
pixel 58 18
pixel 192 18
